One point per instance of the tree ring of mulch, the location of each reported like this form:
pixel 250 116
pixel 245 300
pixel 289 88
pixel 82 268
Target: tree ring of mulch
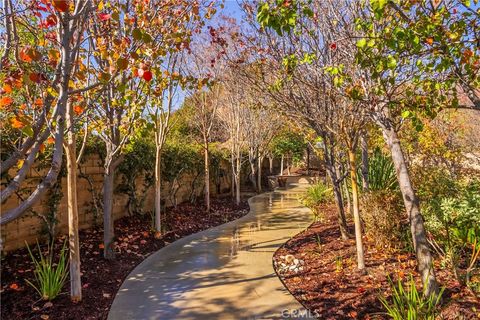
pixel 101 278
pixel 321 273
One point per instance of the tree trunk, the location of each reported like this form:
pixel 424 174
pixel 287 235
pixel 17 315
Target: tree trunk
pixel 108 230
pixel 412 206
pixel 237 181
pixel 356 211
pixel 308 161
pixel 259 174
pixel 253 174
pixel 347 195
pixel 233 176
pixel 281 166
pixel 337 190
pixel 72 209
pixel 365 169
pixel 207 176
pixel 270 165
pixel 158 190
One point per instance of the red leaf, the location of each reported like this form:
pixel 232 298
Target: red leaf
pixel 104 16
pixel 35 77
pixel 147 75
pixel 50 21
pixel 361 290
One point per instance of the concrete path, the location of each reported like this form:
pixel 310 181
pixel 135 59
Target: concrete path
pixel 222 273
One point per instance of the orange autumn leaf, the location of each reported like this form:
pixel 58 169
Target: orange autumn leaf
pixel 60 5
pixel 429 40
pixel 38 102
pixel 7 88
pixel 50 140
pixel 42 148
pixel 5 101
pixel 24 56
pixel 14 286
pixel 18 83
pixel 101 246
pixel 78 109
pixel 17 124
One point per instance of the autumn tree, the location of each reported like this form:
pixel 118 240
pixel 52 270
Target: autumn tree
pixel 207 65
pixel 43 68
pixel 262 124
pixel 292 72
pixel 232 114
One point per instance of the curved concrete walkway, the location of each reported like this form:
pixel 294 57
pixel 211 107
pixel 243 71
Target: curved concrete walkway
pixel 221 273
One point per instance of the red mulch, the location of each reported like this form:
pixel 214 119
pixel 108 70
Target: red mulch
pixel 332 288
pixel 101 278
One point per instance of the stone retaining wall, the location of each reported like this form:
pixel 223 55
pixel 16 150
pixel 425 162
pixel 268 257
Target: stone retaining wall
pixel 31 227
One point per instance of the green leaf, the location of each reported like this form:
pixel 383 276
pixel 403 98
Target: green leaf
pixel 28 131
pixel 362 43
pixel 391 62
pixel 147 38
pixel 406 114
pixel 137 34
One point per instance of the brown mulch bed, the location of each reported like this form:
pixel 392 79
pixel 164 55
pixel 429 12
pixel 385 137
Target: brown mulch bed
pixel 330 286
pixel 101 278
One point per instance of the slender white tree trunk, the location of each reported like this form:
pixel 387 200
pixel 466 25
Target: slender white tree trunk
pixel 72 209
pixel 158 189
pixel 356 211
pixel 108 232
pixel 412 206
pixel 207 176
pixel 365 169
pixel 259 174
pixel 253 174
pixel 234 179
pixel 237 180
pixel 281 166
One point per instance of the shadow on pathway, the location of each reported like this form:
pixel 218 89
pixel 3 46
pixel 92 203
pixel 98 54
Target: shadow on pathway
pixel 222 273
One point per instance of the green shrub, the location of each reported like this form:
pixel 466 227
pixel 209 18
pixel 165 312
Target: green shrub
pixel 315 196
pixel 381 173
pixel 49 277
pixel 408 303
pixel 452 216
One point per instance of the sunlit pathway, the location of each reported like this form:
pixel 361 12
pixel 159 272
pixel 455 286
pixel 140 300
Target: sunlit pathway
pixel 221 273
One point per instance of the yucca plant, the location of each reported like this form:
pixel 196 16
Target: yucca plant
pixel 381 172
pixel 49 277
pixel 408 304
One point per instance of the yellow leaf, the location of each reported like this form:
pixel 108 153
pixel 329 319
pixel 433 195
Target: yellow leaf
pixel 20 163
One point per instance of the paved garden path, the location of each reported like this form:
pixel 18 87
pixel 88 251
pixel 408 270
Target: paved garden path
pixel 222 273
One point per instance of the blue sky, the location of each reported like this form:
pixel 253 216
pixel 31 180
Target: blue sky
pixel 232 9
